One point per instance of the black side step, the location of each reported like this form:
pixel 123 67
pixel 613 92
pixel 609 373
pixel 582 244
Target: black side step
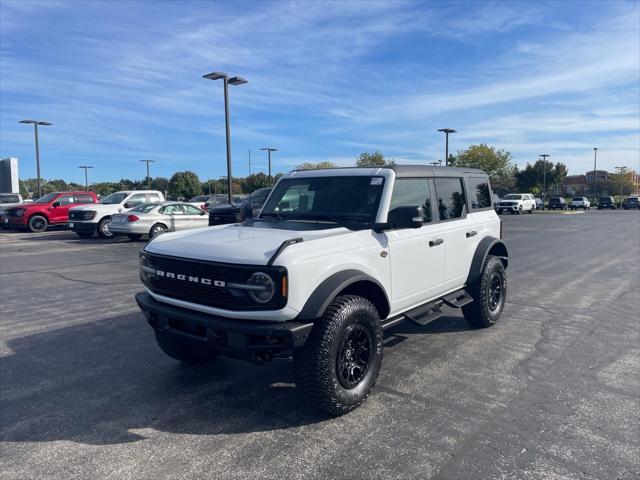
pixel 425 313
pixel 458 299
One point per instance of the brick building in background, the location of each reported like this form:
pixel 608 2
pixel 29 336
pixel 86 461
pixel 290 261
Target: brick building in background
pixel 583 184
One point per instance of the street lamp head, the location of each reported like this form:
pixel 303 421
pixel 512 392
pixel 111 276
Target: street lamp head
pixel 237 81
pixel 148 161
pixel 215 76
pixel 85 166
pixel 269 149
pixel 36 122
pixel 595 148
pixel 447 130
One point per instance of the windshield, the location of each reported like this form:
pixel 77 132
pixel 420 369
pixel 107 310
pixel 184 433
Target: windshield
pixel 114 198
pixel 343 200
pixel 512 196
pixel 47 198
pixel 200 198
pixel 145 207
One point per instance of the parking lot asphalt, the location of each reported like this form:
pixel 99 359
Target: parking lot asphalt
pixel 552 391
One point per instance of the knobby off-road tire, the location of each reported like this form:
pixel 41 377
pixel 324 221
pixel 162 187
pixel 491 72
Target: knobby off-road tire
pixel 489 294
pixel 183 349
pixel 338 366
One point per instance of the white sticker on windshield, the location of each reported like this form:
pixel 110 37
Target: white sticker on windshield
pixel 376 181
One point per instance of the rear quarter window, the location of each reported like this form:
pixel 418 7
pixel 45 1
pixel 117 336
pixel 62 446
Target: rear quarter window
pixel 479 192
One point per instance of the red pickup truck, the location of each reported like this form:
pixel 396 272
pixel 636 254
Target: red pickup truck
pixel 51 209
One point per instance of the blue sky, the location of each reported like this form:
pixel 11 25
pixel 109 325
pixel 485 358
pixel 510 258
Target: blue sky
pixel 121 81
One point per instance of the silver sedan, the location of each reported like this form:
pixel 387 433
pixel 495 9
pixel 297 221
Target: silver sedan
pixel 155 218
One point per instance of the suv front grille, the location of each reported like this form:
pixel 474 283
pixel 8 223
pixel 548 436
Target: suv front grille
pixel 209 294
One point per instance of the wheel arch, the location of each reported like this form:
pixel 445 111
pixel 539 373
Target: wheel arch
pixel 345 282
pixel 487 246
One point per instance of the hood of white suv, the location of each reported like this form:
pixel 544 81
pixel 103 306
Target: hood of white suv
pixel 232 243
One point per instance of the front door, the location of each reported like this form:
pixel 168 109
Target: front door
pixel 195 217
pixel 60 212
pixel 416 255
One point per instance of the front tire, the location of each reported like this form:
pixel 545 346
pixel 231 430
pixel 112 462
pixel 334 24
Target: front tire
pixel 103 228
pixel 37 224
pixel 183 349
pixel 338 366
pixel 489 294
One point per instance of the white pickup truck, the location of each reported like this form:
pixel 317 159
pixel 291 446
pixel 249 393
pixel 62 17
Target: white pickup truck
pixel 89 219
pixel 579 202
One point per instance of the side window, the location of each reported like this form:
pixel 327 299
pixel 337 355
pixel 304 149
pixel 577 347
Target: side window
pixel 480 193
pixel 84 198
pixel 173 210
pixel 153 198
pixel 412 192
pixel 65 200
pixel 137 199
pixel 451 203
pixel 191 210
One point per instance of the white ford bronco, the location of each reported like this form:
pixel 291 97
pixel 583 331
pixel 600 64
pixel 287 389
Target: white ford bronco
pixel 334 258
pixel 89 219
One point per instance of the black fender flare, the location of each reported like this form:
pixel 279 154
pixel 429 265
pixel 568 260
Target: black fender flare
pixel 324 293
pixel 486 245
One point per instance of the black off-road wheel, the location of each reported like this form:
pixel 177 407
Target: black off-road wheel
pixel 489 294
pixel 338 366
pixel 134 236
pixel 37 224
pixel 183 349
pixel 103 228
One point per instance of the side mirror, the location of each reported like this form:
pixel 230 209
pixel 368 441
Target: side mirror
pixel 128 205
pixel 55 204
pixel 406 217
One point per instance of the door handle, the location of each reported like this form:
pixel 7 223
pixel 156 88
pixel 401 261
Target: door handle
pixel 472 233
pixel 437 241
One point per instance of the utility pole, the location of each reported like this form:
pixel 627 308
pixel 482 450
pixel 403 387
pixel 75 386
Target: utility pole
pixel 595 159
pixel 148 176
pixel 86 177
pixel 249 161
pixel 446 132
pixel 622 170
pixel 544 176
pixel 35 124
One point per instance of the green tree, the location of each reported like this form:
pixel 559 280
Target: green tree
pixel 496 163
pixel 375 159
pixel 542 174
pixel 254 182
pixel 184 184
pixel 160 183
pixel 315 166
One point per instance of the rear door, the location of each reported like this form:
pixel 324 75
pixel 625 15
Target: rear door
pixel 417 255
pixel 458 229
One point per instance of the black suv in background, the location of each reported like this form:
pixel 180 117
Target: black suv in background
pixel 234 213
pixel 631 202
pixel 557 202
pixel 607 202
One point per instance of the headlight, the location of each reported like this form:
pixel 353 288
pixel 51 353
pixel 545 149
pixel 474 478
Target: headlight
pixel 264 294
pixel 145 268
pixel 20 212
pixel 90 215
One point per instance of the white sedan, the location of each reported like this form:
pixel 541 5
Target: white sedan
pixel 155 218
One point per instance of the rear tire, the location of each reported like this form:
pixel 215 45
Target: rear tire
pixel 103 228
pixel 37 224
pixel 489 294
pixel 183 349
pixel 134 237
pixel 338 366
pixel 156 230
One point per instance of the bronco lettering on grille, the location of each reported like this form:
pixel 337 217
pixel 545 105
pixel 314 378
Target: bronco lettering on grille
pixel 189 278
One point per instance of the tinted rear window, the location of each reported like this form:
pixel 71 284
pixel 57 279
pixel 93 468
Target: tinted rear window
pixel 451 202
pixel 479 192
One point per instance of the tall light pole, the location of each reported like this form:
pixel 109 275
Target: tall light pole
pixel 544 176
pixel 86 177
pixel 35 124
pixel 446 131
pixel 595 160
pixel 269 150
pixel 148 176
pixel 622 170
pixel 249 161
pixel 227 81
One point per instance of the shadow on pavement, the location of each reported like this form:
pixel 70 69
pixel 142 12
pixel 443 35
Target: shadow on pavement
pixel 98 382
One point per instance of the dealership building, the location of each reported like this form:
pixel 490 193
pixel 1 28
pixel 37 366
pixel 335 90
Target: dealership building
pixel 583 184
pixel 9 175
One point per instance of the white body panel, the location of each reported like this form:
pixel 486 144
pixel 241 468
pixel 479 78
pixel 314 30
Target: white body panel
pixel 110 209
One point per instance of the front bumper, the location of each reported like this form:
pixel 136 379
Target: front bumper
pixel 231 337
pixel 83 227
pixel 513 208
pixel 16 222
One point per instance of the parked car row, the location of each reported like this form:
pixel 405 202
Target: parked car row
pixel 519 203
